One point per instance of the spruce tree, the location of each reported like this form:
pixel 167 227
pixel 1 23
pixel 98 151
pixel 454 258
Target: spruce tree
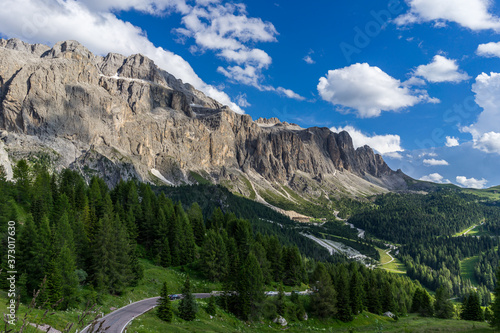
pixel 69 280
pixel 211 306
pixel 495 307
pixel 280 300
pixel 187 306
pixel 165 258
pixel 249 287
pixel 324 298
pixel 164 310
pixel 356 293
pixel 196 218
pixel 293 269
pixel 343 303
pixel 443 308
pixel 471 308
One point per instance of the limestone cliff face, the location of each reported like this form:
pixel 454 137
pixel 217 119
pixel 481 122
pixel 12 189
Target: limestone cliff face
pixel 124 117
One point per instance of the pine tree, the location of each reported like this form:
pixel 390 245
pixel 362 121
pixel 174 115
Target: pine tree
pixel 164 310
pixel 249 287
pixel 188 243
pixel 196 218
pixel 373 301
pixel 343 303
pixel 495 307
pixel 187 306
pixel 356 293
pixel 165 258
pixel 274 255
pixel 22 176
pixel 216 221
pixel 324 298
pixel 69 280
pixel 471 308
pixel 443 308
pixel 211 306
pixel 174 238
pixel 293 269
pixel 214 257
pixel 280 300
pixel 422 303
pixel 388 302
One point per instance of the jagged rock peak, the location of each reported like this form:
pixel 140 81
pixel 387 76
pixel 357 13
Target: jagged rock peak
pixel 18 45
pixel 124 113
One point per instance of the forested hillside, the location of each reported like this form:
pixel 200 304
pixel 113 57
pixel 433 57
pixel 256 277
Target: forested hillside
pixel 86 239
pixel 422 226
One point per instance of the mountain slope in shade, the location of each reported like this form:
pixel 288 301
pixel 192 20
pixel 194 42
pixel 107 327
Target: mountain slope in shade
pixel 123 117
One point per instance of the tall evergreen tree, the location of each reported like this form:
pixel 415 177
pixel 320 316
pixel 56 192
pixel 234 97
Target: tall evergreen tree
pixel 344 312
pixel 280 300
pixel 324 298
pixel 495 307
pixel 443 308
pixel 211 306
pixel 293 268
pixel 249 287
pixel 187 306
pixel 356 293
pixel 196 218
pixel 471 308
pixel 164 310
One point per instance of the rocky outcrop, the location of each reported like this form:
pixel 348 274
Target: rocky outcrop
pixel 123 117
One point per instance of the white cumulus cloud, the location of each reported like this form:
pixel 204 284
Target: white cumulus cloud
pixel 471 182
pixel 309 60
pixel 452 141
pixel 489 50
pixel 388 145
pixel 100 30
pixel 368 91
pixel 434 162
pixel 435 178
pixel 290 93
pixel 441 69
pixel 472 14
pixel 486 130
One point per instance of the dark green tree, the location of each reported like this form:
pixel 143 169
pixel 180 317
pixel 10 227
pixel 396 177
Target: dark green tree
pixel 344 312
pixel 211 306
pixel 471 308
pixel 422 303
pixel 495 307
pixel 293 268
pixel 443 308
pixel 196 218
pixel 164 310
pixel 356 293
pixel 324 298
pixel 280 300
pixel 187 306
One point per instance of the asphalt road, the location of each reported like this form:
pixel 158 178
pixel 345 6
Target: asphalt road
pixel 119 319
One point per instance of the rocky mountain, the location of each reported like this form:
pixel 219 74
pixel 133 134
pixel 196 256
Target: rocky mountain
pixel 123 117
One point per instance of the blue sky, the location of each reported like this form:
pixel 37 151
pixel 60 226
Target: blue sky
pixel 415 79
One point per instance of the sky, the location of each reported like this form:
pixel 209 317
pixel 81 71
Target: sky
pixel 417 80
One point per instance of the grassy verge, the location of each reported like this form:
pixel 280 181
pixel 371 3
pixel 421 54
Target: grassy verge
pixel 395 266
pixel 365 322
pixel 467 268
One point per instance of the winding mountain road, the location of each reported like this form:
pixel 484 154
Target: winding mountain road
pixel 118 320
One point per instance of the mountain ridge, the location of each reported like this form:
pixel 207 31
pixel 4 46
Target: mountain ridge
pixel 124 117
